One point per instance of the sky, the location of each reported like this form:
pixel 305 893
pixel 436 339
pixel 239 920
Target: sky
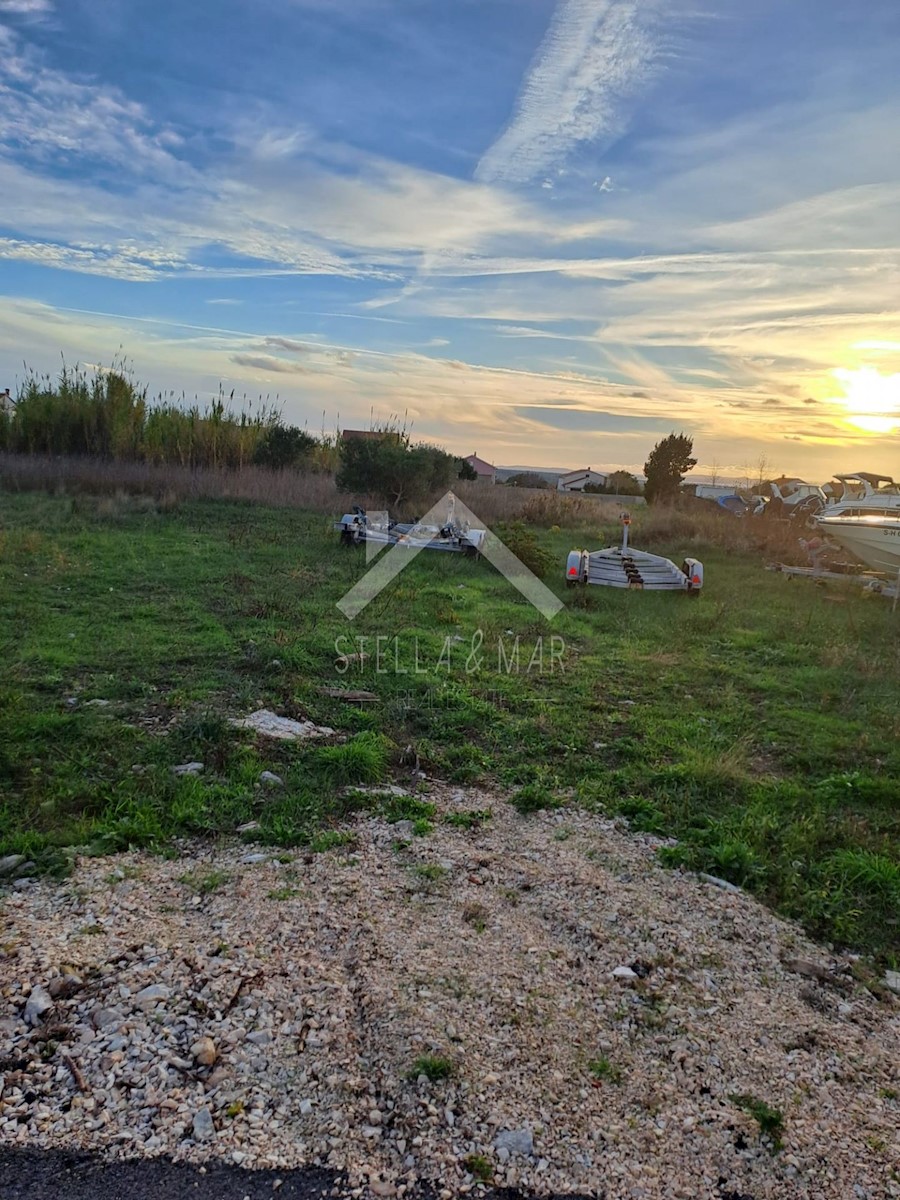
pixel 549 231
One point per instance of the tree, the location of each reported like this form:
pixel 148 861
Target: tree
pixel 528 479
pixel 467 471
pixel 283 446
pixel 669 462
pixel 391 468
pixel 622 483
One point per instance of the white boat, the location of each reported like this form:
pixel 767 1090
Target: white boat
pixel 457 537
pixel 866 519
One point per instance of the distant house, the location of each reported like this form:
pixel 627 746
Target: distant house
pixel 577 481
pixel 7 404
pixel 486 472
pixel 367 435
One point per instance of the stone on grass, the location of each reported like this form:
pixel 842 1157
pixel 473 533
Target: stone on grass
pixel 283 729
pixel 271 779
pixel 191 768
pixel 10 863
pixel 720 883
pixel 892 981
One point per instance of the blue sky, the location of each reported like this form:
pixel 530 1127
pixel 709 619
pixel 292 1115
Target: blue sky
pixel 546 230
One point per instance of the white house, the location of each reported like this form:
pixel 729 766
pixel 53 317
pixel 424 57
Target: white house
pixel 577 481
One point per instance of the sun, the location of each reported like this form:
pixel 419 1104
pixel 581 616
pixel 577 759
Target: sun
pixel 872 400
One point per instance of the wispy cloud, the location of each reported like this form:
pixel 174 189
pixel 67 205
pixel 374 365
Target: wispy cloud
pixel 26 8
pixel 595 56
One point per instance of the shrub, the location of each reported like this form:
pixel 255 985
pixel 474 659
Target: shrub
pixel 524 545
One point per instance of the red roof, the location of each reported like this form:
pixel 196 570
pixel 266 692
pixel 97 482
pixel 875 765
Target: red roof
pixel 479 466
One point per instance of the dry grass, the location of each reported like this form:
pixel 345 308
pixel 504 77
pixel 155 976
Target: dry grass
pixel 693 524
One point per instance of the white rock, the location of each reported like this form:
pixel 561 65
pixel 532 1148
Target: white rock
pixel 10 863
pixel 37 1004
pixel 515 1141
pixel 191 768
pixel 892 981
pixel 283 729
pixel 270 778
pixel 203 1125
pixel 624 973
pixel 720 883
pixel 306 1107
pixel 147 997
pixel 204 1051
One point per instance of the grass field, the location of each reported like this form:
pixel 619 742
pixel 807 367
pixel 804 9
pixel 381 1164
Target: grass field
pixel 759 725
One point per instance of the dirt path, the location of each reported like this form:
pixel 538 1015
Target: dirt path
pixel 596 1016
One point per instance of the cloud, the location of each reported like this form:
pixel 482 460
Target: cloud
pixel 595 56
pixel 26 8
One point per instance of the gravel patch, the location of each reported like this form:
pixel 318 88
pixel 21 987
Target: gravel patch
pixel 534 997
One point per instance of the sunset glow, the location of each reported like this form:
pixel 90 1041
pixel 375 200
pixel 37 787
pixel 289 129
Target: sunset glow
pixel 872 400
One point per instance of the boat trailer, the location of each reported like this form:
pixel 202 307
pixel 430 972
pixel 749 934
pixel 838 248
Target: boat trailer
pixel 360 526
pixel 624 567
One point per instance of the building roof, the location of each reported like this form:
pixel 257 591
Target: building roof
pixel 479 466
pixel 364 435
pixel 582 471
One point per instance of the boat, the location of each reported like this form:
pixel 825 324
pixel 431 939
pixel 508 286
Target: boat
pixel 865 519
pixel 624 567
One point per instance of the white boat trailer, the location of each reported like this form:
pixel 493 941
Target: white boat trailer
pixel 869 581
pixel 624 567
pixel 358 527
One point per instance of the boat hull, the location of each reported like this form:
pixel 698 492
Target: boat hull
pixel 875 540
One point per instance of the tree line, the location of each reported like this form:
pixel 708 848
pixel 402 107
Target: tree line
pixel 108 416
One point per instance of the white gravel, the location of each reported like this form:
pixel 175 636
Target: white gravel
pixel 276 1020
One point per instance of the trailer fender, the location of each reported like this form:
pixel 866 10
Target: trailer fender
pixel 576 567
pixel 693 569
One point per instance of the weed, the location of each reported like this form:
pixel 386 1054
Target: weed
pixel 331 839
pixel 603 1069
pixel 430 872
pixel 284 893
pixel 434 1067
pixel 480 1167
pixel 770 1120
pixel 205 882
pixel 476 915
pixel 408 808
pixel 468 820
pixel 361 760
pixel 234 1109
pixel 533 798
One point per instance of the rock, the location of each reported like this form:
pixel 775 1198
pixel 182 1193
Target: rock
pixel 892 981
pixel 64 986
pixel 204 1051
pixel 306 1107
pixel 147 997
pixel 515 1141
pixel 403 829
pixel 248 827
pixel 719 883
pixel 624 973
pixel 219 1076
pixel 259 1037
pixel 98 703
pixel 271 779
pixel 104 1018
pixel 203 1125
pixel 255 858
pixel 283 729
pixel 191 768
pixel 10 863
pixel 36 1005
pixel 374 1117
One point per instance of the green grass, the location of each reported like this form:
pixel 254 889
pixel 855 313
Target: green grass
pixel 758 725
pixel 770 1120
pixel 603 1069
pixel 433 1066
pixel 479 1166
